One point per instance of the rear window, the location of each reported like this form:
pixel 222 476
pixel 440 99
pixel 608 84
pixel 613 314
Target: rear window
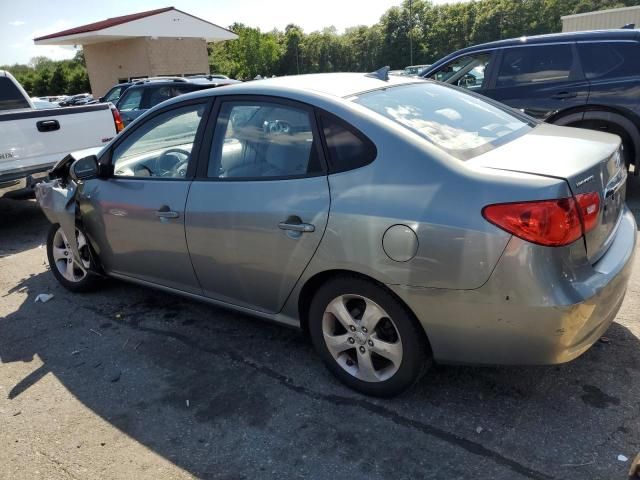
pixel 457 122
pixel 609 60
pixel 10 97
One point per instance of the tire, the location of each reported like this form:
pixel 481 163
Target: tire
pixel 73 277
pixel 382 360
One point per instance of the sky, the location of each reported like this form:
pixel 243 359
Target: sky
pixel 21 21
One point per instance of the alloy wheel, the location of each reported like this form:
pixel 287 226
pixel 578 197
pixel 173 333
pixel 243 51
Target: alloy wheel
pixel 362 338
pixel 63 256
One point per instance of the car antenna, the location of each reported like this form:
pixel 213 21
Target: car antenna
pixel 380 74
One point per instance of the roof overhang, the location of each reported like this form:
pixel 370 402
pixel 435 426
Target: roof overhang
pixel 162 23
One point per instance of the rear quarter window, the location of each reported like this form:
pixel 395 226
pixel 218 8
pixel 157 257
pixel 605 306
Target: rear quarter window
pixel 347 147
pixel 10 97
pixel 605 60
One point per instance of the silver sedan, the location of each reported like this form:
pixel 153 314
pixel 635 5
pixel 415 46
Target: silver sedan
pixel 396 221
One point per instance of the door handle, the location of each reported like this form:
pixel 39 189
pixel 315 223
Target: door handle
pixel 48 125
pixel 166 212
pixel 563 95
pixel 294 224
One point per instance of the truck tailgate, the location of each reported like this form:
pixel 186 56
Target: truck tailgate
pixel 33 140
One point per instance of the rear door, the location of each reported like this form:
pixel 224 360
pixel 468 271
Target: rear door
pixel 137 216
pixel 613 71
pixel 540 79
pixel 259 207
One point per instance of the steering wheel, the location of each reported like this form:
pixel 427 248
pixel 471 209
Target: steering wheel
pixel 170 163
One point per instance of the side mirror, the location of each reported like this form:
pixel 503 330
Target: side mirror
pixel 101 99
pixel 84 168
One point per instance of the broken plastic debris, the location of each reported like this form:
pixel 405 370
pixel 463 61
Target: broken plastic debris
pixel 479 430
pixel 187 403
pixel 44 297
pixel 622 458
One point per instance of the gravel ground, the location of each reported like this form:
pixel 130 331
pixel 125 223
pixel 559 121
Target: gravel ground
pixel 134 383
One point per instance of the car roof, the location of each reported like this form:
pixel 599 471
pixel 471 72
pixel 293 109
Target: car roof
pixel 339 85
pixel 618 34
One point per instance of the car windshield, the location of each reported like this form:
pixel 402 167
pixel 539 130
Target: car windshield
pixel 459 123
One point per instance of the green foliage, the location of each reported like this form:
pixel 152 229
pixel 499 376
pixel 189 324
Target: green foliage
pixel 435 31
pixel 43 76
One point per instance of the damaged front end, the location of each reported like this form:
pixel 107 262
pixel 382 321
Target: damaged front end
pixel 58 199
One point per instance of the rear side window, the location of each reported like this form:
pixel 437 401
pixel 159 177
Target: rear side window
pixel 348 148
pixel 610 60
pixel 10 97
pixel 535 64
pixel 462 124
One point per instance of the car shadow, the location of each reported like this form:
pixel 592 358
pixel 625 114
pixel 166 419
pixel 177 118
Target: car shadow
pixel 23 225
pixel 206 389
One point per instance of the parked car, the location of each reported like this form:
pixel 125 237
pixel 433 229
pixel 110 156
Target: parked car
pixel 144 94
pixel 80 99
pixel 395 220
pixel 32 140
pixel 415 69
pixel 581 79
pixel 43 104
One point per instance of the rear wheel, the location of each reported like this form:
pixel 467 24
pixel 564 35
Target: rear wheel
pixel 366 337
pixel 72 275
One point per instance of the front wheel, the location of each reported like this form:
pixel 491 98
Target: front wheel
pixel 366 337
pixel 72 275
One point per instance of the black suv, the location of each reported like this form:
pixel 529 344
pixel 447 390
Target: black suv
pixel 580 79
pixel 144 94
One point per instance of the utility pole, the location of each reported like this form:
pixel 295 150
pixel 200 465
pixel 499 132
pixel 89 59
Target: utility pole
pixel 410 31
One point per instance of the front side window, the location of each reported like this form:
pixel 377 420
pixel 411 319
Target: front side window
pixel 131 100
pixel 263 140
pixel 610 59
pixel 114 94
pixel 455 121
pixel 10 96
pixel 467 72
pixel 161 146
pixel 535 64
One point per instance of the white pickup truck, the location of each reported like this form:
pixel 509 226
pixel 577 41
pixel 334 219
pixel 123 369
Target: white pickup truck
pixel 33 140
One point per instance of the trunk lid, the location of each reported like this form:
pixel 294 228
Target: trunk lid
pixel 587 160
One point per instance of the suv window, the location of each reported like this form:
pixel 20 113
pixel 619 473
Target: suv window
pixel 467 71
pixel 609 59
pixel 263 139
pixel 114 94
pixel 10 97
pixel 131 100
pixel 535 64
pixel 348 148
pixel 161 146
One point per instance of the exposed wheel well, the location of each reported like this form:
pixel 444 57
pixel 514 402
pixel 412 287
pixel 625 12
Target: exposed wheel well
pixel 606 119
pixel 319 279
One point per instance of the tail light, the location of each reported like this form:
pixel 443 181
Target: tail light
pixel 551 223
pixel 117 120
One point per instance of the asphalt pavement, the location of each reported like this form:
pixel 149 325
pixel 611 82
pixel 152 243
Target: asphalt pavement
pixel 131 383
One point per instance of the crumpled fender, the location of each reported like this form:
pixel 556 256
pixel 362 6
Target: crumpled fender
pixel 59 206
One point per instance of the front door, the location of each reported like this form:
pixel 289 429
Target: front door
pixel 137 216
pixel 257 212
pixel 540 80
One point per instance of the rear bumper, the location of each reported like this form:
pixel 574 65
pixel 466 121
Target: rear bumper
pixel 540 306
